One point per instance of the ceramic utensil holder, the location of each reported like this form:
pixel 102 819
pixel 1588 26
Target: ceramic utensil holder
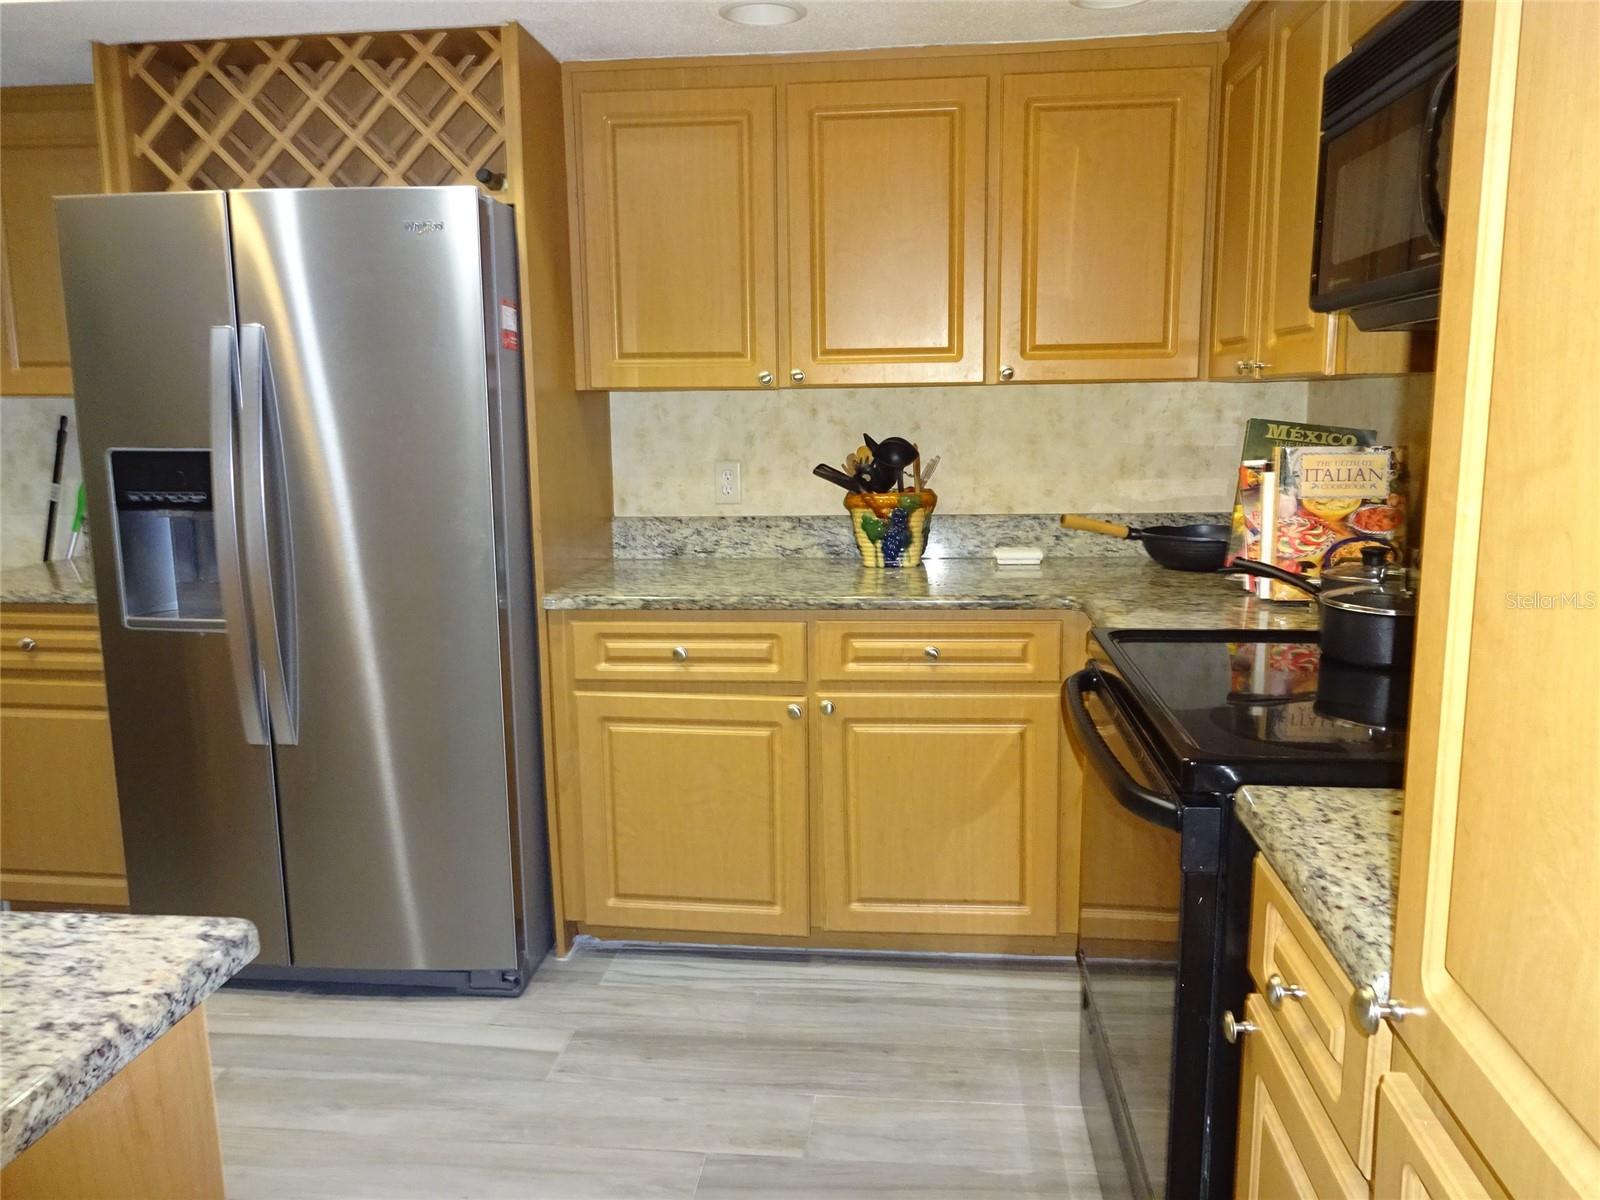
pixel 891 527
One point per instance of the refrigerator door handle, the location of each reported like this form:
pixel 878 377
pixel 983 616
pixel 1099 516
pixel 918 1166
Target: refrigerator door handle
pixel 270 575
pixel 246 670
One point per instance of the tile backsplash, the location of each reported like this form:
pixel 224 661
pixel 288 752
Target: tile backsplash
pixel 27 451
pixel 1046 448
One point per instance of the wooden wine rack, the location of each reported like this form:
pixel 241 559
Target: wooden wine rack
pixel 352 110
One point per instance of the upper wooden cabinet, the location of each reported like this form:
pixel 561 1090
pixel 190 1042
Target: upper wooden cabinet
pixel 1236 280
pixel 1497 933
pixel 48 142
pixel 678 237
pixel 886 230
pixel 1102 243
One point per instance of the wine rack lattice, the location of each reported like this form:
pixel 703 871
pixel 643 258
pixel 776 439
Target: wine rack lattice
pixel 352 110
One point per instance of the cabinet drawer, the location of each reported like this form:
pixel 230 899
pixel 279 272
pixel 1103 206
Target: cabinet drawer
pixel 706 651
pixel 1341 1063
pixel 35 641
pixel 1002 651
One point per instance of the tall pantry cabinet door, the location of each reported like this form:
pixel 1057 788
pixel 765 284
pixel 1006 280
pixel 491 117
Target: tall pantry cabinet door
pixel 1304 43
pixel 1102 243
pixel 886 231
pixel 694 812
pixel 678 236
pixel 1497 936
pixel 1236 272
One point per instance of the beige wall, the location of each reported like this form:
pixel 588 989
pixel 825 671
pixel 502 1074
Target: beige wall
pixel 1123 448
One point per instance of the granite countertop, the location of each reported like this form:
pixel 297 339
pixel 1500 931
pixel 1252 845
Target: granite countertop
pixel 81 994
pixel 1337 850
pixel 1114 592
pixel 68 582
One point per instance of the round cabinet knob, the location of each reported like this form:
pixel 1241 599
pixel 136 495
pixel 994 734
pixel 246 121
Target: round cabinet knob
pixel 765 378
pixel 1260 366
pixel 1278 991
pixel 26 645
pixel 1233 1029
pixel 827 708
pixel 1368 1012
pixel 680 653
pixel 1240 366
pixel 797 375
pixel 1007 373
pixel 796 712
pixel 931 653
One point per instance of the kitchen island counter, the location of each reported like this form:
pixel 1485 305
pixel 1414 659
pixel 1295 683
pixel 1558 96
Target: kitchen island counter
pixel 1115 593
pixel 82 994
pixel 1337 850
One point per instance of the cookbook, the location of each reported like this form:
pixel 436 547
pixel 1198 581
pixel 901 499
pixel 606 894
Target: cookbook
pixel 1330 505
pixel 1261 437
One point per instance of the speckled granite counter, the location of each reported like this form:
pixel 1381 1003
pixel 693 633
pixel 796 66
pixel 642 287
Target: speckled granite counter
pixel 1115 593
pixel 81 994
pixel 1337 850
pixel 70 582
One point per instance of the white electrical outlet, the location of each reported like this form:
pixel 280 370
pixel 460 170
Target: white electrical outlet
pixel 729 487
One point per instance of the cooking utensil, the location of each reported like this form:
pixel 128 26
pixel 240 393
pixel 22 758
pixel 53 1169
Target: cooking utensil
pixel 850 483
pixel 927 471
pixel 895 453
pixel 1369 623
pixel 1177 547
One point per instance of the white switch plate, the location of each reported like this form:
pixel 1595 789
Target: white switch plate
pixel 729 486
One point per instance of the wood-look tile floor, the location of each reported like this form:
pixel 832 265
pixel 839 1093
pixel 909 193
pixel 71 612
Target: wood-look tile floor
pixel 635 1073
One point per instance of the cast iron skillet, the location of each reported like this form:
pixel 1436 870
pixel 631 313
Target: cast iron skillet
pixel 1180 547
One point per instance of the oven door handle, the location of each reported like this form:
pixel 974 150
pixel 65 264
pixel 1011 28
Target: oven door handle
pixel 1143 803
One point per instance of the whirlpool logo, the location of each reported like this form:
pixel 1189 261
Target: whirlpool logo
pixel 421 227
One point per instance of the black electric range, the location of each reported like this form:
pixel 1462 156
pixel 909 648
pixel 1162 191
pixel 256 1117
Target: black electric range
pixel 1198 714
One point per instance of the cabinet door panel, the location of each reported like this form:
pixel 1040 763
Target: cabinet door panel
pixel 1415 1158
pixel 1103 223
pixel 1304 44
pixel 47 136
pixel 679 242
pixel 1497 933
pixel 886 230
pixel 939 813
pixel 694 812
pixel 1287 1148
pixel 1236 270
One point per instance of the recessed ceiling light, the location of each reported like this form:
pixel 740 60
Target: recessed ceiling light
pixel 762 14
pixel 1106 3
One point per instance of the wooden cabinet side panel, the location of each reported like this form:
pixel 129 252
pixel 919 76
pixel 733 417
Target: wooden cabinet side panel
pixel 1236 269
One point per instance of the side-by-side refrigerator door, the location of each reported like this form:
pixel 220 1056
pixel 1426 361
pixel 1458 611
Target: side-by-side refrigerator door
pixel 370 547
pixel 150 316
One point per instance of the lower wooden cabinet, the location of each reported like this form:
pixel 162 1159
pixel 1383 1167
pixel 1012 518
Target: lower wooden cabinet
pixel 694 811
pixel 60 832
pixel 1288 1149
pixel 1415 1155
pixel 938 812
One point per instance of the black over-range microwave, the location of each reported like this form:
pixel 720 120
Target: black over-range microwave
pixel 1384 173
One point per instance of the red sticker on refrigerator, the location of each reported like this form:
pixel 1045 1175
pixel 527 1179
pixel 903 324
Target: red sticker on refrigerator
pixel 510 334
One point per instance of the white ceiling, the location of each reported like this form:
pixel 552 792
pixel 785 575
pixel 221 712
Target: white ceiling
pixel 47 41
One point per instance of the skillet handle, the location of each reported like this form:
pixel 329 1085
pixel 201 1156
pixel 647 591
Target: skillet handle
pixel 1090 525
pixel 1249 566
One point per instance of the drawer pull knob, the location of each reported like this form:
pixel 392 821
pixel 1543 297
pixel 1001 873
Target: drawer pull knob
pixel 1278 991
pixel 931 653
pixel 680 653
pixel 1368 1011
pixel 1007 374
pixel 796 712
pixel 827 708
pixel 1233 1029
pixel 26 645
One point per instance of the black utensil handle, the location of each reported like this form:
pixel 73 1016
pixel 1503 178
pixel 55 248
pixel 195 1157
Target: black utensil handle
pixel 1249 566
pixel 55 488
pixel 1143 803
pixel 834 475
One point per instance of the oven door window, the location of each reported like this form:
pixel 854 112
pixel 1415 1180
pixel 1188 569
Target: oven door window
pixel 1385 179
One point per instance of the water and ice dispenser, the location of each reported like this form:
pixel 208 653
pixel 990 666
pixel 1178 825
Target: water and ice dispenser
pixel 165 538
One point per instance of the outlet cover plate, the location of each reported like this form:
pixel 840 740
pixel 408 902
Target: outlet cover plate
pixel 730 487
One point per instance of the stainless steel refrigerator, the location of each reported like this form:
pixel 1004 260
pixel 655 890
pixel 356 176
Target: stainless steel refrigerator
pixel 302 431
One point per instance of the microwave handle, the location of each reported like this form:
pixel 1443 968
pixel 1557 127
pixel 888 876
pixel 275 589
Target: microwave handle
pixel 1428 198
pixel 1143 803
